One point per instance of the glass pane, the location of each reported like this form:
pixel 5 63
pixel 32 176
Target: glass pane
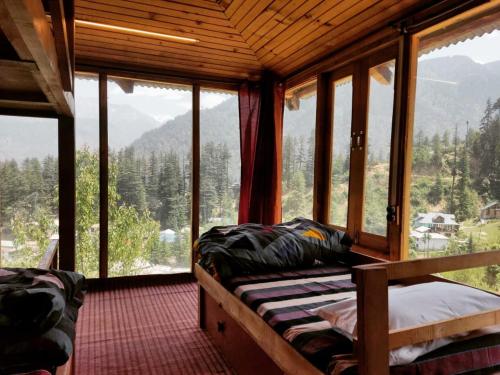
pixel 342 116
pixel 455 188
pixel 87 174
pixel 28 189
pixel 299 124
pixel 150 137
pixel 378 143
pixel 220 164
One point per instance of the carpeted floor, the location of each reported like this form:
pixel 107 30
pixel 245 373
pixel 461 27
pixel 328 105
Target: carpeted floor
pixel 144 328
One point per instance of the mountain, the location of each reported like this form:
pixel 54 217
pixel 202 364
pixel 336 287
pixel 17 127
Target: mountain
pixel 22 137
pixel 450 91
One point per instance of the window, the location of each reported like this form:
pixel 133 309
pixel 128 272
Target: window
pixel 299 123
pixel 220 164
pixel 28 189
pixel 341 154
pixel 455 187
pixel 362 121
pixel 149 208
pixel 378 146
pixel 87 174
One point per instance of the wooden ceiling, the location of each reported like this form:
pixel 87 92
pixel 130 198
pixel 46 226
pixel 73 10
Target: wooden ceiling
pixel 237 39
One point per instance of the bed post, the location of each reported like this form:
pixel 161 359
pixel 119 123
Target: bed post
pixel 372 346
pixel 201 307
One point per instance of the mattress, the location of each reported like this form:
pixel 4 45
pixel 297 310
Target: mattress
pixel 284 301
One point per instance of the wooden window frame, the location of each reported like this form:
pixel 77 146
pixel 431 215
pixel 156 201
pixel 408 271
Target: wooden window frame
pixel 359 70
pixel 196 87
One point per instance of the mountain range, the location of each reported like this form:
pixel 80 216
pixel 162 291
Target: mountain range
pixel 450 91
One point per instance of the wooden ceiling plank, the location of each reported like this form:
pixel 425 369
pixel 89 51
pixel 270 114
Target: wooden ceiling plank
pixel 185 7
pixel 158 26
pixel 278 8
pixel 148 43
pixel 345 34
pixel 282 23
pixel 214 46
pixel 203 4
pixel 25 25
pixel 125 55
pixel 252 14
pixel 246 8
pixel 233 7
pixel 81 44
pixel 150 12
pixel 313 27
pixel 283 45
pixel 98 59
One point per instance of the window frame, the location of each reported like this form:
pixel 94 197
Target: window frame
pixel 359 70
pixel 196 86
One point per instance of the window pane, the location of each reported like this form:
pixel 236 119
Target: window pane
pixel 87 174
pixel 299 123
pixel 455 189
pixel 378 143
pixel 342 116
pixel 220 164
pixel 150 132
pixel 28 189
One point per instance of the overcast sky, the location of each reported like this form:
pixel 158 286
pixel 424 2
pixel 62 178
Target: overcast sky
pixel 483 49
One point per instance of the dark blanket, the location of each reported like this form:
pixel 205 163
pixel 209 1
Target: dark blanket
pixel 254 248
pixel 38 311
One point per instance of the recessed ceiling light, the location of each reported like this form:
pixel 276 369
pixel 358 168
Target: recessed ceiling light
pixel 136 31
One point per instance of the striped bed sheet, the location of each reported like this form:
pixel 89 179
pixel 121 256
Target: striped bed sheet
pixel 284 301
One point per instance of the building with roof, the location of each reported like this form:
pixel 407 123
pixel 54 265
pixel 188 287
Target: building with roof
pixel 490 211
pixel 429 241
pixel 437 222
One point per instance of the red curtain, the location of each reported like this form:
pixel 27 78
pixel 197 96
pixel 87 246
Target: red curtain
pixel 261 124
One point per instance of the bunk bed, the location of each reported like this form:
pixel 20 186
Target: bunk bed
pixel 37 80
pixel 250 314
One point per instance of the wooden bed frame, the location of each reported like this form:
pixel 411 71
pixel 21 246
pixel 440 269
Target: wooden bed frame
pixel 49 260
pixel 374 338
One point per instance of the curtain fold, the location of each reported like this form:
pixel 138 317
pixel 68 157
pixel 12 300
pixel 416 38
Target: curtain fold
pixel 261 126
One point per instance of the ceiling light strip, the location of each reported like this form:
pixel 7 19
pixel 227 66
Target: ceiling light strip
pixel 104 26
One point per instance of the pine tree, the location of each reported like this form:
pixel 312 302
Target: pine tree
pixel 436 192
pixel 437 153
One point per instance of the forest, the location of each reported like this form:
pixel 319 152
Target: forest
pixel 149 193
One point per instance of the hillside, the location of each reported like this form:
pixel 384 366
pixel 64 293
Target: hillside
pixel 450 90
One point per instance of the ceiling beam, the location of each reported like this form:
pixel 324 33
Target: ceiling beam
pixel 25 25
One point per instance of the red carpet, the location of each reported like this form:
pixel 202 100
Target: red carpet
pixel 144 329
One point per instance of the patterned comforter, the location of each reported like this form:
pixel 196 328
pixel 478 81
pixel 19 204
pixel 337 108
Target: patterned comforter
pixel 38 311
pixel 254 248
pixel 284 301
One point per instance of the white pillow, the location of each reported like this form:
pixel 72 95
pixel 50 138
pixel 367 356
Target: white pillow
pixel 414 305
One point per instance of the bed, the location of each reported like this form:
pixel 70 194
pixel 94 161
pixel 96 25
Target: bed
pixel 38 313
pixel 271 314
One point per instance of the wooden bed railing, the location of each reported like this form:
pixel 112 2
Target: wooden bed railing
pixel 50 257
pixel 374 339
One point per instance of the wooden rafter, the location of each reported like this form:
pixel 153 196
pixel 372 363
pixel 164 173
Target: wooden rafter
pixel 25 25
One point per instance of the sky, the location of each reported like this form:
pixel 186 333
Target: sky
pixel 482 49
pixel 160 103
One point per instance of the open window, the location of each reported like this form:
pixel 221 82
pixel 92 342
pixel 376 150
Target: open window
pixel 299 123
pixel 362 123
pixel 455 176
pixel 29 204
pixel 220 161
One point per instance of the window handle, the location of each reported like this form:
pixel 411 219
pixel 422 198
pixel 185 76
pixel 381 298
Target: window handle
pixel 391 214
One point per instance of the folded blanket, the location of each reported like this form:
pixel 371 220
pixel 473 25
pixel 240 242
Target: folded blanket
pixel 254 248
pixel 38 311
pixel 33 301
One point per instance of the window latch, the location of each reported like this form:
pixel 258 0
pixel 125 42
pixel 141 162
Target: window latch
pixel 391 214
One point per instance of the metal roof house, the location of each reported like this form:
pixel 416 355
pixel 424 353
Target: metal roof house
pixel 437 222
